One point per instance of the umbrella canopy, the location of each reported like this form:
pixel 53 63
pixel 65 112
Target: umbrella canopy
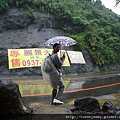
pixel 62 40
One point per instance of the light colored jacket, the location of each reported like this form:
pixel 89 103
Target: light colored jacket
pixel 56 61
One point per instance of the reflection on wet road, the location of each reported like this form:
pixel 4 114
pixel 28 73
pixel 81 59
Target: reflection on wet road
pixel 75 85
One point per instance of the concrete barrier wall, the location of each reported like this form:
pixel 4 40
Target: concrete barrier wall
pixel 91 87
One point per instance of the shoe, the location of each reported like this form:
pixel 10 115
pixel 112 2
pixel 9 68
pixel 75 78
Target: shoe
pixel 56 101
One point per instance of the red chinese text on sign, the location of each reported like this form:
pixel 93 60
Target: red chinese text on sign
pixel 15 62
pixel 14 53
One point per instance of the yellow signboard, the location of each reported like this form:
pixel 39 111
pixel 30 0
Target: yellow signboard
pixel 21 58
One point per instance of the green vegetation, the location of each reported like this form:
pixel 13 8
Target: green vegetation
pixel 29 13
pixel 93 26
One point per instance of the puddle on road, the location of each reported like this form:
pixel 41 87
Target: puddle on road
pixel 93 85
pixel 74 83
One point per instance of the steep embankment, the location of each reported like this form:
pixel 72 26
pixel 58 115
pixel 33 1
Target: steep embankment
pixel 19 31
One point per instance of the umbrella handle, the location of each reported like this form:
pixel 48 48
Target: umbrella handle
pixel 60 52
pixel 60 49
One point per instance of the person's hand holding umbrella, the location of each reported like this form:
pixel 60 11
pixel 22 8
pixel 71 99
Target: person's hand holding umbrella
pixel 63 57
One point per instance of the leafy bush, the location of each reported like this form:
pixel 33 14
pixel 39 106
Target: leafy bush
pixel 4 5
pixel 30 13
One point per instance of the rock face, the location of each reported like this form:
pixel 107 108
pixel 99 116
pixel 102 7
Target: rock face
pixel 17 30
pixel 10 99
pixel 109 108
pixel 90 105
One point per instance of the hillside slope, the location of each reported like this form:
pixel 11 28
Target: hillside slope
pixel 95 28
pixel 20 32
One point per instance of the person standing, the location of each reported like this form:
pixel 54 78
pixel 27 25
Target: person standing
pixel 55 77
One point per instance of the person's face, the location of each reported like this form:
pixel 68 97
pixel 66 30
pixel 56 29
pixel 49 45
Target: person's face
pixel 57 48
